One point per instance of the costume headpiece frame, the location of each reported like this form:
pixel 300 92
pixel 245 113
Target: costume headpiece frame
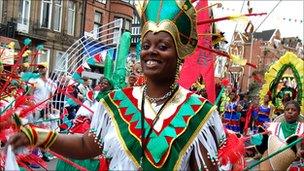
pixel 177 17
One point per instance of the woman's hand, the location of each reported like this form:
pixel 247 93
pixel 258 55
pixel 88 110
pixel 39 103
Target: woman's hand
pixel 300 151
pixel 18 140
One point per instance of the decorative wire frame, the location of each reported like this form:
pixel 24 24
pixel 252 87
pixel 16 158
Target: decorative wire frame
pixel 105 37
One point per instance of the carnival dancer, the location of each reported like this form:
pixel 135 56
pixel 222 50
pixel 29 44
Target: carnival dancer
pixel 158 126
pixel 232 114
pixel 263 114
pixel 81 124
pixel 43 88
pixel 286 129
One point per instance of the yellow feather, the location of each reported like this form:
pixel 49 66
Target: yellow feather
pixel 238 60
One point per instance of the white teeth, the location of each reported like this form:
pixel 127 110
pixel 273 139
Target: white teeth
pixel 151 62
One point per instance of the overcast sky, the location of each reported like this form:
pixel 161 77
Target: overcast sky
pixel 279 18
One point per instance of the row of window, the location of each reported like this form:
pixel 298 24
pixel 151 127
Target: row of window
pixel 1 7
pixel 50 16
pixel 61 60
pixel 132 2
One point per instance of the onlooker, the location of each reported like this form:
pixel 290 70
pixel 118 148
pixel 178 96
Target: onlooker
pixel 43 88
pixel 84 88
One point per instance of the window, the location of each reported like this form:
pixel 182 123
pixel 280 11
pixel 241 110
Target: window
pixel 71 17
pixel 61 61
pixel 97 23
pixel 44 56
pixel 127 24
pixel 57 15
pixel 1 6
pixel 23 16
pixel 135 19
pixel 132 2
pixel 135 31
pixel 116 30
pixel 46 13
pixel 102 1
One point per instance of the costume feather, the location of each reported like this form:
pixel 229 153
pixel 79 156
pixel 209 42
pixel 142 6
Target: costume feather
pixel 232 151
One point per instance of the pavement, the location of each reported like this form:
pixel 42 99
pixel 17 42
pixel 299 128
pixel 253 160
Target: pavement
pixel 51 165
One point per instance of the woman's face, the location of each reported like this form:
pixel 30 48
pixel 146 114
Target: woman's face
pixel 291 113
pixel 104 84
pixel 132 80
pixel 158 56
pixel 266 98
pixel 232 96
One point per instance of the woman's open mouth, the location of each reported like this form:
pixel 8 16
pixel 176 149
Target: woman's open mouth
pixel 152 63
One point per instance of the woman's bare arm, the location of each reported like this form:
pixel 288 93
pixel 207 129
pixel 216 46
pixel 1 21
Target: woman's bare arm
pixel 72 146
pixel 209 164
pixel 193 161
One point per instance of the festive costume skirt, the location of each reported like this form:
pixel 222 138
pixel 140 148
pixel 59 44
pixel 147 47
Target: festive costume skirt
pixel 232 121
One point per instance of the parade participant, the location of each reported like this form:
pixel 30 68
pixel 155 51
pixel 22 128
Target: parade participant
pixel 286 129
pixel 84 88
pixel 263 114
pixel 244 105
pixel 232 114
pixel 158 126
pixel 81 124
pixel 103 88
pixel 132 80
pixel 43 88
pixel 136 77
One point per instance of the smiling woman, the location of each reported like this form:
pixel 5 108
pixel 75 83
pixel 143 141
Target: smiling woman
pixel 159 57
pixel 157 126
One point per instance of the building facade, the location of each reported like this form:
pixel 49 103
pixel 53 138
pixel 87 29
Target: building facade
pixel 101 12
pixel 54 23
pixel 57 24
pixel 257 49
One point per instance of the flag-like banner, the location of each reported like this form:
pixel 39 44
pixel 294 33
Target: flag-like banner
pixel 201 61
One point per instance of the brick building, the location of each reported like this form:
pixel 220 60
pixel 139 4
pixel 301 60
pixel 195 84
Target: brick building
pixel 54 23
pixel 57 24
pixel 261 51
pixel 100 12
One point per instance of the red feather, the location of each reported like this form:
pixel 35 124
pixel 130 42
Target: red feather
pixel 21 100
pixel 24 112
pixel 232 151
pixel 7 114
pixel 225 82
pixel 32 159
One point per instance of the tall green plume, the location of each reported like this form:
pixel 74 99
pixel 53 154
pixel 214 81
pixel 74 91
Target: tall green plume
pixel 119 75
pixel 108 68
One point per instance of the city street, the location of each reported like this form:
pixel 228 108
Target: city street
pixel 152 85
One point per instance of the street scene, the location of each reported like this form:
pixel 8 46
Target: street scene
pixel 151 85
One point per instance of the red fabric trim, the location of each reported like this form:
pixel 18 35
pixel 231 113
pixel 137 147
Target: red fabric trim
pixel 168 120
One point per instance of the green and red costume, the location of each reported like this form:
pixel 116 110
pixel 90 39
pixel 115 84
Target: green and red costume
pixel 185 123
